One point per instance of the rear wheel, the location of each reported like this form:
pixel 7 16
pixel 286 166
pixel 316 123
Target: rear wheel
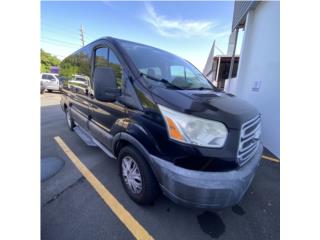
pixel 49 90
pixel 137 177
pixel 70 120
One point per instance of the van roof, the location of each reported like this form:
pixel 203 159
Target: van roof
pixel 113 39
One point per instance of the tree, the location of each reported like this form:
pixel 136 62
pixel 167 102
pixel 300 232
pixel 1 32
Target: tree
pixel 48 61
pixel 69 67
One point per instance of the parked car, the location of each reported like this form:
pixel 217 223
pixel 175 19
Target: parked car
pixel 51 81
pixel 171 130
pixel 79 81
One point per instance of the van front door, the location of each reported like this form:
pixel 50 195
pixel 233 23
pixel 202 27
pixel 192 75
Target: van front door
pixel 104 115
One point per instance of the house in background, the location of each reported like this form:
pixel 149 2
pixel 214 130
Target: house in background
pixel 258 76
pixel 217 67
pixel 221 68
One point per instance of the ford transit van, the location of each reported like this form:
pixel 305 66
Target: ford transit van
pixel 170 129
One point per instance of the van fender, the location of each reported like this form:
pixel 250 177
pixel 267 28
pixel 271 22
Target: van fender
pixel 135 143
pixel 134 133
pixel 132 140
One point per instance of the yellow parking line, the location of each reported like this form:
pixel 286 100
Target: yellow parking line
pixel 125 217
pixel 271 159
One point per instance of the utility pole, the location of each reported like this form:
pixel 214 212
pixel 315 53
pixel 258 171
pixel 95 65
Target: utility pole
pixel 82 35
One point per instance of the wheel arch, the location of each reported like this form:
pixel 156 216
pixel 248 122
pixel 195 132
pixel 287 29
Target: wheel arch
pixel 122 139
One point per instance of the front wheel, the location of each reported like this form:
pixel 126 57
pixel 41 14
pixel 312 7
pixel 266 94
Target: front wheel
pixel 137 177
pixel 70 120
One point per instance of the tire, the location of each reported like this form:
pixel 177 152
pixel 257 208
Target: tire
pixel 149 189
pixel 49 90
pixel 70 121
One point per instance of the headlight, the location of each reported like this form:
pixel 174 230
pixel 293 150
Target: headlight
pixel 194 130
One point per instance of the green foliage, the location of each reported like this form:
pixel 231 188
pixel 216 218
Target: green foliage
pixel 84 64
pixel 101 61
pixel 69 67
pixel 117 72
pixel 48 61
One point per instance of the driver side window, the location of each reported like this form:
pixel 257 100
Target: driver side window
pixel 105 57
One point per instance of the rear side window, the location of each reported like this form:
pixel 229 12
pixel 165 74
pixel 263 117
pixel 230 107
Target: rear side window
pixel 101 57
pixel 44 76
pixel 76 65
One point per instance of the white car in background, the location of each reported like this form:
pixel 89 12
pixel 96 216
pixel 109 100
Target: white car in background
pixel 51 81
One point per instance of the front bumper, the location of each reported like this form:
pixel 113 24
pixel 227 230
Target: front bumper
pixel 205 189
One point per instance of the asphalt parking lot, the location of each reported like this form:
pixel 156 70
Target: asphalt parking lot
pixel 72 209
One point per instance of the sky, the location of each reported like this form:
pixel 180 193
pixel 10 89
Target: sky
pixel 186 29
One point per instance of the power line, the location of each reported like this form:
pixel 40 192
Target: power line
pixel 59 46
pixel 56 27
pixel 69 35
pixel 63 30
pixel 59 41
pixel 73 38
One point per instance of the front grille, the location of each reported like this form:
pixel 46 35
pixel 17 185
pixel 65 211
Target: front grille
pixel 249 139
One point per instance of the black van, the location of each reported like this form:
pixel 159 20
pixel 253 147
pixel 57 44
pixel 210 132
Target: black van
pixel 171 130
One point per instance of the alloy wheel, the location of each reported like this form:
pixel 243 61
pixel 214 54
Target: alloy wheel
pixel 131 174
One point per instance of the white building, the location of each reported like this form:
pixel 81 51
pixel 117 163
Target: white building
pixel 258 78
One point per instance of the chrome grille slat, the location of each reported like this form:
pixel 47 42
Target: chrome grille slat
pixel 246 149
pixel 251 133
pixel 251 121
pixel 246 152
pixel 250 155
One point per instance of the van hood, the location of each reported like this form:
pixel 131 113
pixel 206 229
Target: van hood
pixel 213 105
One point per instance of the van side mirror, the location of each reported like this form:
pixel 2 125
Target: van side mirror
pixel 105 86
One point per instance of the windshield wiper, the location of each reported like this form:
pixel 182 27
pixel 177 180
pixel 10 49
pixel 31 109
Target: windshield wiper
pixel 201 88
pixel 160 80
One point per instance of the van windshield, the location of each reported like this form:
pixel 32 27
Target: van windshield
pixel 154 64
